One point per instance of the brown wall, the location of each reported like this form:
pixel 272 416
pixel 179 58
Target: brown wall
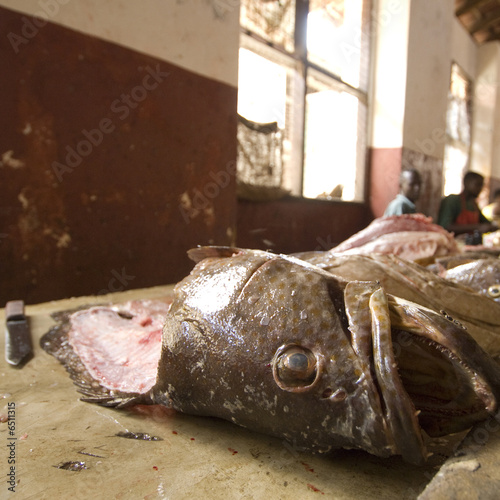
pixel 113 165
pixel 297 225
pixel 385 167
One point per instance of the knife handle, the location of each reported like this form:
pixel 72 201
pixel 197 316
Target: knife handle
pixel 18 344
pixel 14 310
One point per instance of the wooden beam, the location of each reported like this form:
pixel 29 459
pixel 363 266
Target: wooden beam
pixel 486 21
pixel 467 6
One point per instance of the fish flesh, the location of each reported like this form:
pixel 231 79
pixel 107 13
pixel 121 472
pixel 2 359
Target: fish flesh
pixel 409 245
pixel 410 236
pixel 282 347
pixel 110 349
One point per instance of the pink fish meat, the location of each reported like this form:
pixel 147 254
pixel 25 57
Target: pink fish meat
pixel 411 236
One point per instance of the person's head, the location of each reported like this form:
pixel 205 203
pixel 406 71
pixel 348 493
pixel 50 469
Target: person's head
pixel 410 183
pixel 473 184
pixel 496 195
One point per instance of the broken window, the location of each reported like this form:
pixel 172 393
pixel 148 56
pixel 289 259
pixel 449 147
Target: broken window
pixel 303 71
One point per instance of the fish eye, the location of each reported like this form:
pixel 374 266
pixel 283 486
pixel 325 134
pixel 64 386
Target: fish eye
pixel 295 368
pixel 297 362
pixel 494 291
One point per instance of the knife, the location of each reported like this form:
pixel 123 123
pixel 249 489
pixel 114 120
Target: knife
pixel 18 345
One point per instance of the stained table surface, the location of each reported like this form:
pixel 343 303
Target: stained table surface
pixel 60 447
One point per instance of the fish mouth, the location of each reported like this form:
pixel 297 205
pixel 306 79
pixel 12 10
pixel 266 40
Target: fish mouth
pixel 430 375
pixel 444 389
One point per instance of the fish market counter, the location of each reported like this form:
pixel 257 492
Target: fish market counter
pixel 56 446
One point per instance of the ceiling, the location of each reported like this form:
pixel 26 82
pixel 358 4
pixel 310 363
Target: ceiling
pixel 481 18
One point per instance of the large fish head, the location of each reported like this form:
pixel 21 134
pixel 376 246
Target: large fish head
pixel 282 347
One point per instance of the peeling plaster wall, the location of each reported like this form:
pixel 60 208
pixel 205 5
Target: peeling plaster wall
pixel 113 162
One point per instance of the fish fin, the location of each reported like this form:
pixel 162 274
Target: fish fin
pixel 102 396
pixel 116 400
pixel 199 253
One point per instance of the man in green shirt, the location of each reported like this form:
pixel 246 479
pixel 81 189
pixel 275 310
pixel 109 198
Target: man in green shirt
pixel 459 213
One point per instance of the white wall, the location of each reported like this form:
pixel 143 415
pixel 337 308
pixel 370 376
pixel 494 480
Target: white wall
pixel 486 131
pixel 435 40
pixel 198 35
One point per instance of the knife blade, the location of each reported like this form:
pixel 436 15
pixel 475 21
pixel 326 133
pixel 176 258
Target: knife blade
pixel 18 345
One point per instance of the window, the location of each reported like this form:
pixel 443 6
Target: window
pixel 458 131
pixel 303 79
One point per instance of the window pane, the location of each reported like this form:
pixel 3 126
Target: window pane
pixel 261 89
pixel 455 165
pixel 337 39
pixel 262 104
pixel 458 117
pixel 334 143
pixel 270 89
pixel 274 21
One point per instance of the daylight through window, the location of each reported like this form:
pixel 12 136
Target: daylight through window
pixel 458 131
